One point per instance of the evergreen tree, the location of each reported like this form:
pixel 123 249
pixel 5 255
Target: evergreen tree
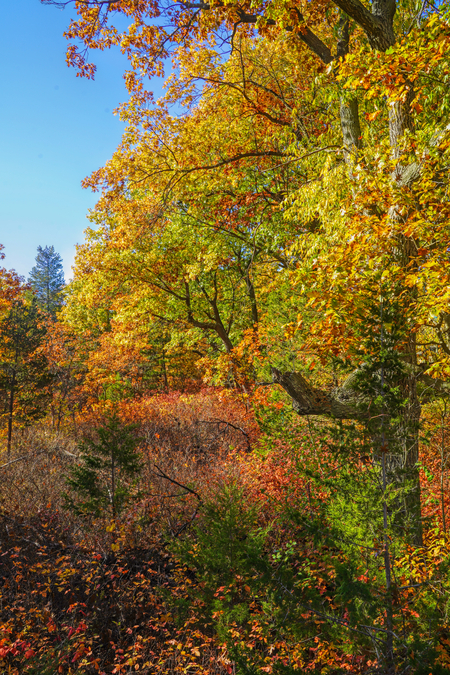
pixel 47 279
pixel 103 478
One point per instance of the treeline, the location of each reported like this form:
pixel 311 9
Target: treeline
pixel 25 311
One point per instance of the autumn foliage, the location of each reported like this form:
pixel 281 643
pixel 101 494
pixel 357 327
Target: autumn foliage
pixel 226 448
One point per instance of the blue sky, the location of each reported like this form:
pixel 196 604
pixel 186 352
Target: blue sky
pixel 55 128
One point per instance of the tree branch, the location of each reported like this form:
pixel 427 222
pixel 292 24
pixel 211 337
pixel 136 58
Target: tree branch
pixel 306 35
pixel 377 25
pixel 341 403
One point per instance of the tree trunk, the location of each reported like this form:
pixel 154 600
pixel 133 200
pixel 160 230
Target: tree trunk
pixel 350 126
pixel 405 254
pixel 252 297
pixel 379 29
pixel 349 113
pixel 164 371
pixel 113 485
pixel 346 402
pixel 11 413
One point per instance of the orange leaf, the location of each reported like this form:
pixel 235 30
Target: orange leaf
pixel 371 117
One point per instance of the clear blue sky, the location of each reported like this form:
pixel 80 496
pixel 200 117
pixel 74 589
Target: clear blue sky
pixel 55 128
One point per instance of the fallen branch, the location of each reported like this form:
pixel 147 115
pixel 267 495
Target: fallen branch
pixel 175 482
pixel 183 527
pixel 18 459
pixel 229 424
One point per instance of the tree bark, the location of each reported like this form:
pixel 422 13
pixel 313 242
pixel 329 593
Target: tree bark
pixel 345 403
pixel 252 297
pixel 349 113
pixel 404 253
pixel 351 129
pixel 342 403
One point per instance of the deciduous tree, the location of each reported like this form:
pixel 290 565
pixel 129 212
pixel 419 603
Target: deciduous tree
pixel 376 206
pixel 24 377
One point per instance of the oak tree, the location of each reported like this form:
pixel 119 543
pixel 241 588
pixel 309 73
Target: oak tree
pixel 374 210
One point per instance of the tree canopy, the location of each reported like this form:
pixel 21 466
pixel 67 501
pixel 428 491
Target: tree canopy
pixel 302 154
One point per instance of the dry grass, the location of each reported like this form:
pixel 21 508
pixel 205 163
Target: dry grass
pixel 58 572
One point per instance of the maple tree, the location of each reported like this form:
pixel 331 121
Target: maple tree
pixel 66 358
pixel 10 285
pixel 24 377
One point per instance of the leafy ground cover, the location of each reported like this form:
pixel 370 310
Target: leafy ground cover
pixel 233 562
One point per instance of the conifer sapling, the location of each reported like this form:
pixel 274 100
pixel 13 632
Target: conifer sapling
pixel 103 480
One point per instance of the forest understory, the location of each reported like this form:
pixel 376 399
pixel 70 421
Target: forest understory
pixel 227 557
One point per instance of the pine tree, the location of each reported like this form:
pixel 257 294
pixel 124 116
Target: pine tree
pixel 47 279
pixel 102 480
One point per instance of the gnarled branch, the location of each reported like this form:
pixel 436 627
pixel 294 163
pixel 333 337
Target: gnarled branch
pixel 341 402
